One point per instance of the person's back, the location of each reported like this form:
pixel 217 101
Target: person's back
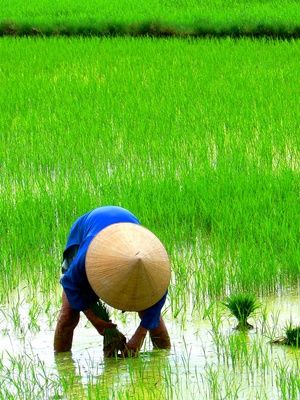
pixel 91 223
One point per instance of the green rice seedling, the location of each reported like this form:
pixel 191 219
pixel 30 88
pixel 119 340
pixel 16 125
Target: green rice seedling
pixel 34 313
pixel 291 337
pixel 113 341
pixel 241 306
pixel 237 349
pixel 288 381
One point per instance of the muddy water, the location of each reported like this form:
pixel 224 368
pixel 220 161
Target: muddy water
pixel 208 357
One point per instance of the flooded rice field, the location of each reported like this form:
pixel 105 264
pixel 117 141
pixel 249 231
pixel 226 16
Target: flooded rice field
pixel 199 139
pixel 208 358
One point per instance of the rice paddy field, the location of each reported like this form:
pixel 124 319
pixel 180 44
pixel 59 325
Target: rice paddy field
pixel 178 12
pixel 199 139
pixel 278 18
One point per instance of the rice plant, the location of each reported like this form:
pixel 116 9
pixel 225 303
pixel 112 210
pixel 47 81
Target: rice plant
pixel 241 306
pixel 292 335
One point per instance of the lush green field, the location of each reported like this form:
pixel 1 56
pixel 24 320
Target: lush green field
pixel 175 11
pixel 208 16
pixel 199 139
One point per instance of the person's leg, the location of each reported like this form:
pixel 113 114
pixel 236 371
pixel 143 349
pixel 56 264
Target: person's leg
pixel 160 337
pixel 66 323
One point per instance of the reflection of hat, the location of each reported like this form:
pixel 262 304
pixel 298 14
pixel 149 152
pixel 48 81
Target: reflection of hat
pixel 128 267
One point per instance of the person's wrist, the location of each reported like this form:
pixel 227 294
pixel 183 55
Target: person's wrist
pixel 101 326
pixel 101 330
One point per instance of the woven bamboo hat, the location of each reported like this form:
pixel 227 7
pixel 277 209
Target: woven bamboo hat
pixel 128 267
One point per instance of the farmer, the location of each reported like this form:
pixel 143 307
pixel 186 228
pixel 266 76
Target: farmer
pixel 110 256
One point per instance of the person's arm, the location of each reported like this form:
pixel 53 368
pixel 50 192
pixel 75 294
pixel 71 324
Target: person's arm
pixel 98 323
pixel 134 345
pixel 150 321
pixel 78 296
pixel 78 291
pixel 67 322
pixel 159 337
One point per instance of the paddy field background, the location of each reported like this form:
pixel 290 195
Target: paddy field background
pixel 158 17
pixel 198 138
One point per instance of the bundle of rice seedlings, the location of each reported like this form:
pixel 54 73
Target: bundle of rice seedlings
pixel 113 340
pixel 292 336
pixel 241 306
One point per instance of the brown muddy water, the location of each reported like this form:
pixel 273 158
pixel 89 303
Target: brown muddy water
pixel 208 359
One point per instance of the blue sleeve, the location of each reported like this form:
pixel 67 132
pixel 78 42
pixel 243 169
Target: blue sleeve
pixel 75 283
pixel 151 317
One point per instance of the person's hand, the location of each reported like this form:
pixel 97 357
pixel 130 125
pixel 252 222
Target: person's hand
pixel 130 350
pixel 134 345
pixel 114 343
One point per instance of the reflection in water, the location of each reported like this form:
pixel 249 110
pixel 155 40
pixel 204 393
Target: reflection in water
pixel 142 377
pixel 208 357
pixel 69 379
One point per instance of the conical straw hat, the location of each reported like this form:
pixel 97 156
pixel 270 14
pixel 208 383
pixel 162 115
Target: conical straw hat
pixel 128 267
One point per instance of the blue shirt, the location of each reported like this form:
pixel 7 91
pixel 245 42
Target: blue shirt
pixel 75 283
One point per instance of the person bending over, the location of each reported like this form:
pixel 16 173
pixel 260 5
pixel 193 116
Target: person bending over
pixel 110 256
